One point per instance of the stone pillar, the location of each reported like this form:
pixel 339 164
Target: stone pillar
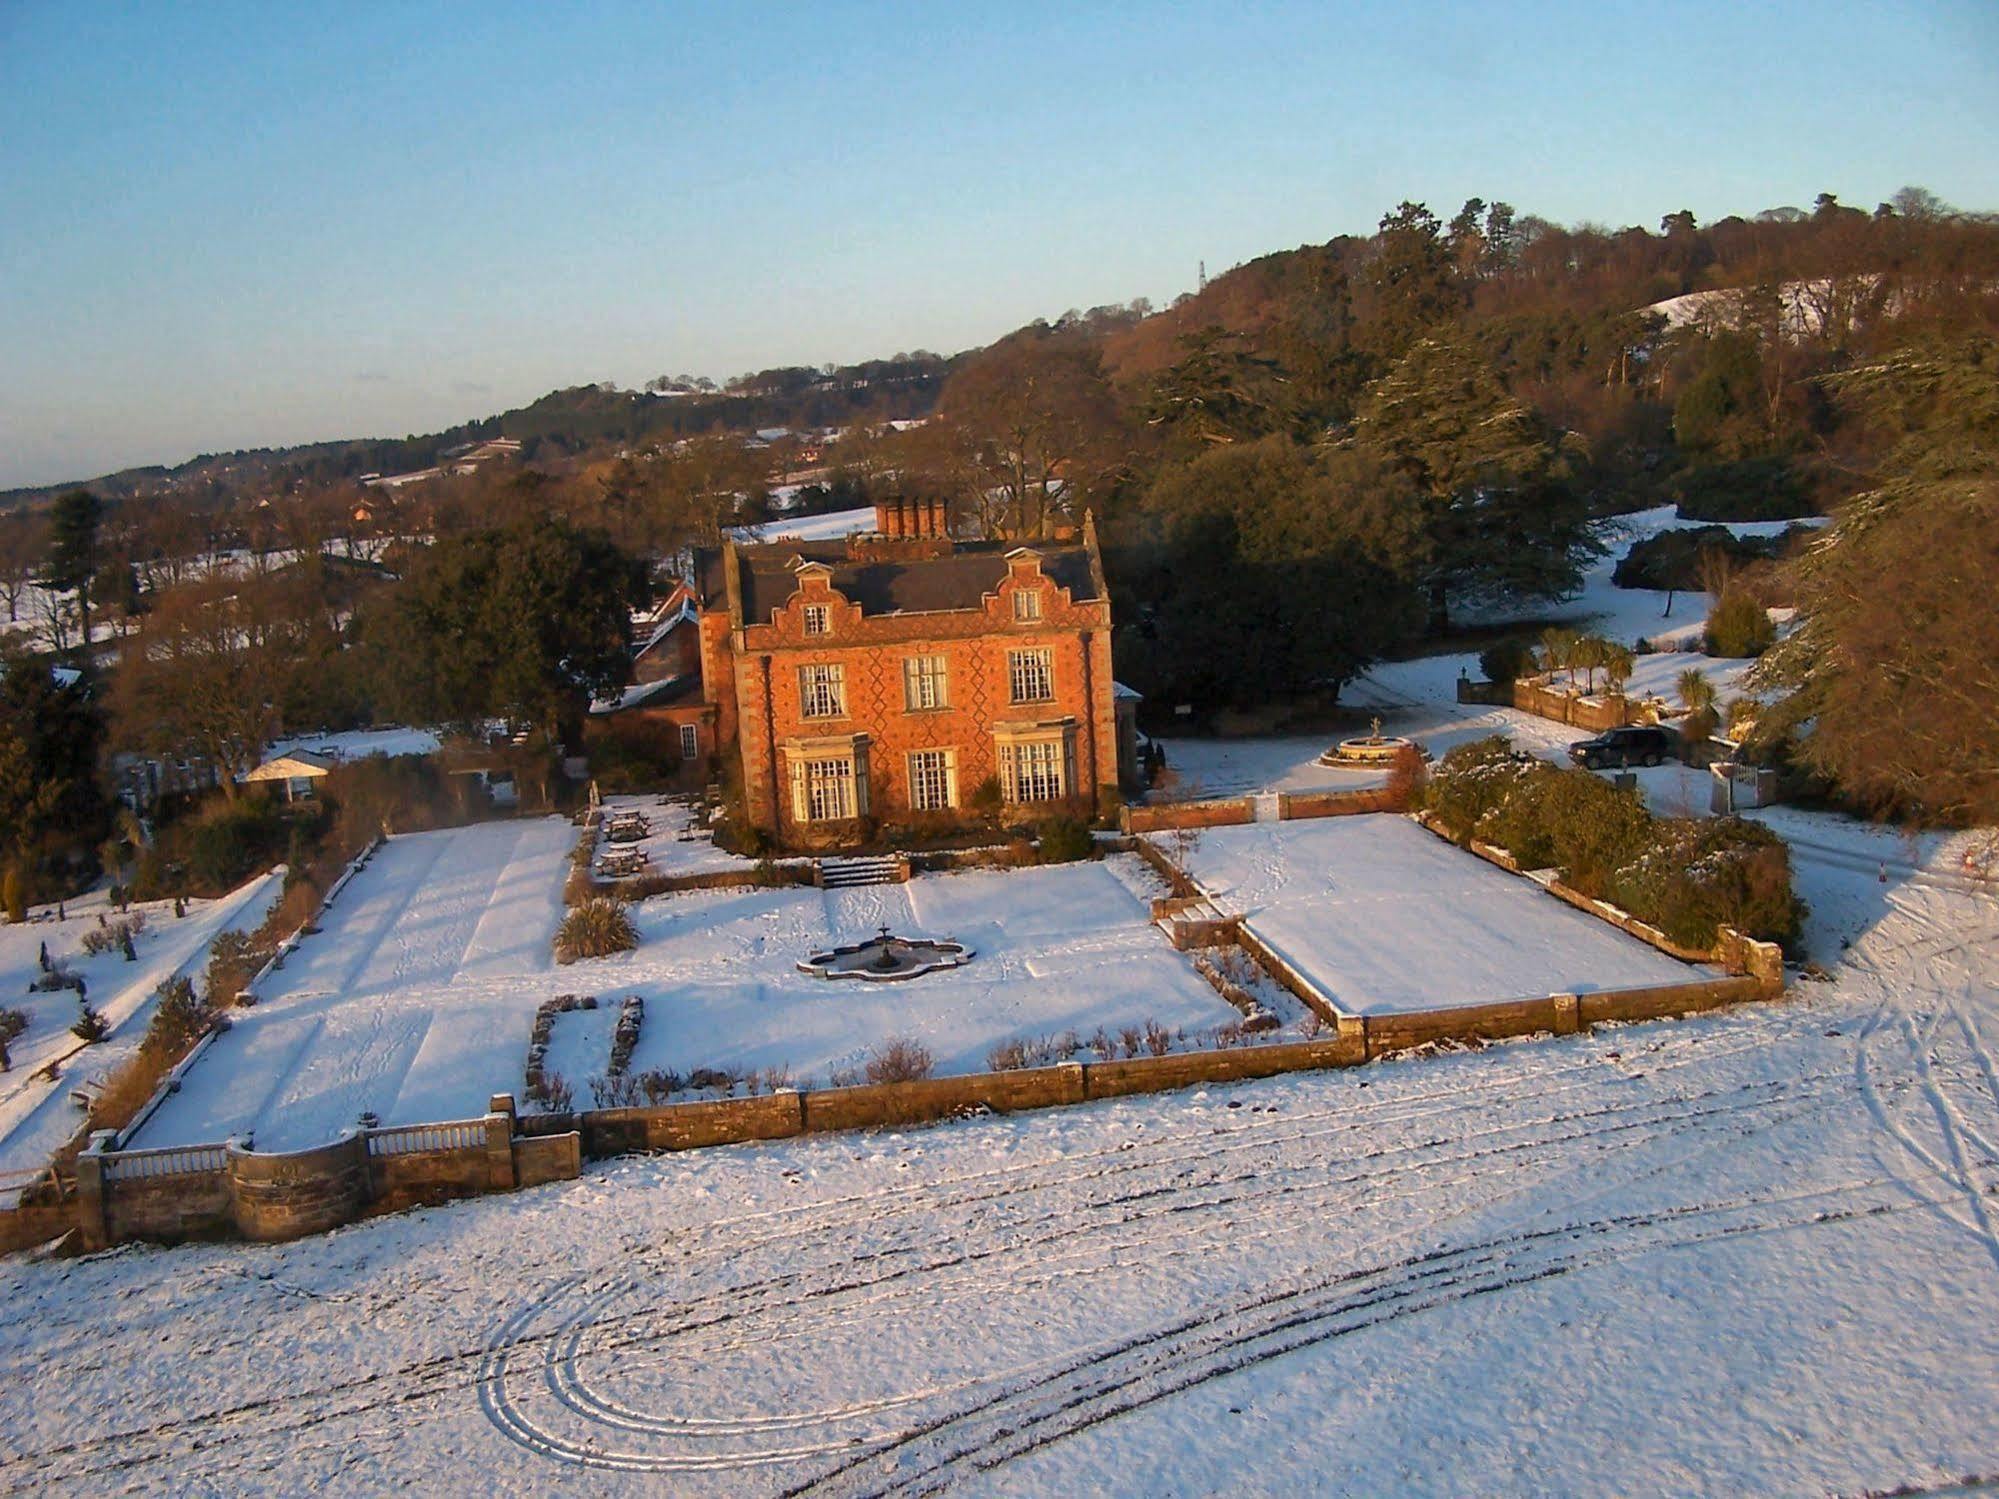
pixel 1568 1014
pixel 90 1218
pixel 500 1150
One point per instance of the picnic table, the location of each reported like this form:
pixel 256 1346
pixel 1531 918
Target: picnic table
pixel 624 861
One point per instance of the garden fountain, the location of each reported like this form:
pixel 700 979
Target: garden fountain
pixel 886 958
pixel 1376 751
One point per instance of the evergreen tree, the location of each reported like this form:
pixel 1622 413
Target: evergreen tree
pixel 1498 518
pixel 72 562
pixel 1894 671
pixel 526 623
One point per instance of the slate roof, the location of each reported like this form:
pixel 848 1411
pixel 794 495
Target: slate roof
pixel 958 580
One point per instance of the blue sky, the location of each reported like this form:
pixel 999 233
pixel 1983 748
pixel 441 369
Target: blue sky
pixel 225 226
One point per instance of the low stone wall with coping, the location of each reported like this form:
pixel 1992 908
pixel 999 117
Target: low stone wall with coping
pixel 1223 813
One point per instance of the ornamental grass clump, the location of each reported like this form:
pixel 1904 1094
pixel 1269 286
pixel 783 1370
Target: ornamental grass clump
pixel 597 928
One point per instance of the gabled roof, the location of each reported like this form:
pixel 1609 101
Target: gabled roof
pixel 960 579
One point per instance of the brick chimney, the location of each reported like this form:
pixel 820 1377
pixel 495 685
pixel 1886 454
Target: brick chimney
pixel 904 517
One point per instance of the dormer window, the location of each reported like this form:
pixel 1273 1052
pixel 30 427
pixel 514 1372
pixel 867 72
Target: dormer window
pixel 816 619
pixel 1026 605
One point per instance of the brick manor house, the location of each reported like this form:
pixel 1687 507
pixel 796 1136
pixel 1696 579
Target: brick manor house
pixel 887 678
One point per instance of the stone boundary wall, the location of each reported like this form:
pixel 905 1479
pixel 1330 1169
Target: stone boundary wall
pixel 1293 805
pixel 1227 812
pixel 270 1197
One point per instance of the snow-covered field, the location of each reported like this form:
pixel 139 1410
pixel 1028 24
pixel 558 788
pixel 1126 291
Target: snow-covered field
pixel 832 526
pixel 1752 1252
pixel 1385 917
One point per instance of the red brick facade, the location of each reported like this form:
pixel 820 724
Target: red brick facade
pixel 845 716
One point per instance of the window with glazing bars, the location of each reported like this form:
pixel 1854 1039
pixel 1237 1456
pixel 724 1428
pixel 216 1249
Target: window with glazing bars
pixel 1030 676
pixel 822 691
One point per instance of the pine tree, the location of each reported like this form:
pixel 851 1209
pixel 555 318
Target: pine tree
pixel 72 564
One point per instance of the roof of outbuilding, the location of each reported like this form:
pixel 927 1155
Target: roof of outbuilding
pixel 960 579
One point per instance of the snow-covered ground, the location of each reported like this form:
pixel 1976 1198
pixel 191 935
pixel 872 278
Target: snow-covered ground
pixel 675 845
pixel 37 1111
pixel 1750 1252
pixel 358 744
pixel 1061 949
pixel 413 1002
pixel 832 526
pixel 1384 917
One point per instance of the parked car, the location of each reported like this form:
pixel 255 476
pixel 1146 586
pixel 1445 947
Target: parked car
pixel 1634 744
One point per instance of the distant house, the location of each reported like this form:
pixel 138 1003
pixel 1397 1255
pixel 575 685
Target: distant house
pixel 664 696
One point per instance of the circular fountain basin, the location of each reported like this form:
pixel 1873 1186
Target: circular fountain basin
pixel 887 959
pixel 1370 752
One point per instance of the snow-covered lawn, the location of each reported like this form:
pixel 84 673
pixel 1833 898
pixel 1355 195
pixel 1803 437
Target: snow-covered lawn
pixel 1385 917
pixel 37 1113
pixel 1750 1252
pixel 413 1002
pixel 1066 948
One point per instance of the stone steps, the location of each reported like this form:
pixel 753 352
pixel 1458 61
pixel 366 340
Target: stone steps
pixel 844 874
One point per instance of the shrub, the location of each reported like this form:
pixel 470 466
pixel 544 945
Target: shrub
pixel 114 934
pixel 230 841
pixel 12 1023
pixel 1738 626
pixel 1408 777
pixel 90 1027
pixel 1008 1056
pixel 1064 840
pixel 1508 660
pixel 1593 828
pixel 1473 780
pixel 1696 875
pixel 985 798
pixel 595 929
pixel 1746 490
pixel 231 961
pixel 14 894
pixel 178 1020
pixel 900 1059
pixel 1521 823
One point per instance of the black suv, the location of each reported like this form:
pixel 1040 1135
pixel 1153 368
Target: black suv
pixel 1635 744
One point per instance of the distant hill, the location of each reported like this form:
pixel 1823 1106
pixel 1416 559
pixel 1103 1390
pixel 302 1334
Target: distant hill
pixel 560 425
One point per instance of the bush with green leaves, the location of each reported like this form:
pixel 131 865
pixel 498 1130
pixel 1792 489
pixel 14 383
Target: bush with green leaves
pixel 1738 626
pixel 1473 780
pixel 1508 660
pixel 595 929
pixel 1064 840
pixel 1695 875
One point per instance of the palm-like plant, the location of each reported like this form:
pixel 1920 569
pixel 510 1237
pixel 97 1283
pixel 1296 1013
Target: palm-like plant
pixel 1697 693
pixel 1558 647
pixel 1618 664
